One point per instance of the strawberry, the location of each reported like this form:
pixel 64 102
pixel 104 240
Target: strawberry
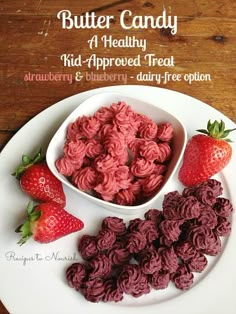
pixel 37 180
pixel 47 222
pixel 205 154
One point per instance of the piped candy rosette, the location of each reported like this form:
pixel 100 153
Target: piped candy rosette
pixel 117 154
pixel 166 247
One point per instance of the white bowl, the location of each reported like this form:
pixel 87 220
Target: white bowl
pixel 88 108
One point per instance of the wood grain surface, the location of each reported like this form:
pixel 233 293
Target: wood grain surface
pixel 32 40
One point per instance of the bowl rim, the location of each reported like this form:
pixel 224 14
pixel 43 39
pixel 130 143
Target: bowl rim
pixel 94 199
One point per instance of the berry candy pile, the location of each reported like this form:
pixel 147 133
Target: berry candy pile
pixel 167 246
pixel 117 154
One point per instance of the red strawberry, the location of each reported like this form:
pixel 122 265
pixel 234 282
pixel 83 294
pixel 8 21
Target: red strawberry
pixel 205 155
pixel 47 222
pixel 37 180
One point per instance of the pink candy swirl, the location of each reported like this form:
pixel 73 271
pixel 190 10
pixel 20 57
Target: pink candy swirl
pixel 93 148
pixel 107 186
pixel 64 166
pixel 121 107
pixel 122 119
pixel 89 127
pixel 123 177
pixel 105 130
pixel 149 150
pixel 135 146
pixel 132 280
pixel 148 129
pixel 165 132
pixel 72 133
pixel 104 115
pixel 135 187
pixel 105 163
pixel 142 168
pixel 85 179
pixel 152 184
pixel 114 145
pixel 125 197
pixel 75 151
pixel 164 152
pixel 75 275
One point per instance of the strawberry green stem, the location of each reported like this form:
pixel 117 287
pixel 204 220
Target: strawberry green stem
pixel 25 229
pixel 217 130
pixel 27 162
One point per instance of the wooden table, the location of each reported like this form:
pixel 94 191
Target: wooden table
pixel 32 41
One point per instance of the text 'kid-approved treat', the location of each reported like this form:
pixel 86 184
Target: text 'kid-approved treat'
pixel 167 246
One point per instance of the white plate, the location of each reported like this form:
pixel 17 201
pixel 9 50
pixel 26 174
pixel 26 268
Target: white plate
pixel 88 108
pixel 32 276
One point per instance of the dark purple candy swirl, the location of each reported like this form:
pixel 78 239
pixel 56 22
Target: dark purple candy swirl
pixel 136 241
pixel 150 261
pixel 215 186
pixel 205 195
pixel 198 263
pixel 182 278
pixel 223 227
pixel 133 281
pixel 189 207
pixel 201 237
pixel 111 291
pixel 160 280
pixel 88 247
pixel 75 275
pixel 208 217
pixel 93 289
pixel 117 225
pixel 214 246
pixel 170 205
pixel 155 215
pixel 170 229
pixel 105 239
pixel 100 266
pixel 223 207
pixel 185 251
pixel 169 259
pixel 119 253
